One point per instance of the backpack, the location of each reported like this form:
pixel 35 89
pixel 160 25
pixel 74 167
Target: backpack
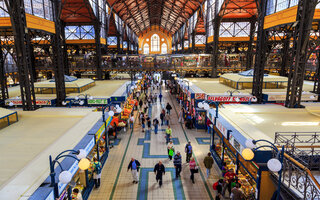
pixel 97 168
pixel 171 152
pixel 215 185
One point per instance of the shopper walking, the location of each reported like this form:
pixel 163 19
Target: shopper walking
pixel 230 177
pixel 156 125
pixel 208 162
pixel 159 170
pixel 167 119
pixel 160 98
pixel 193 168
pixel 140 103
pixel 143 120
pixel 162 115
pixel 77 194
pixel 236 193
pixel 134 165
pixel 177 161
pixel 168 134
pixel 170 149
pixel 131 121
pixel 181 115
pixel 148 122
pixel 188 151
pixel 96 172
pixel 168 107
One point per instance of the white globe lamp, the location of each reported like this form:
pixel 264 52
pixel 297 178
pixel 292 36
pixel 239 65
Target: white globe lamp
pixel 76 98
pixel 64 103
pixel 65 177
pixel 206 106
pixel 11 104
pixel 119 110
pixel 200 105
pixel 274 165
pixel 82 154
pixel 111 113
pixel 81 103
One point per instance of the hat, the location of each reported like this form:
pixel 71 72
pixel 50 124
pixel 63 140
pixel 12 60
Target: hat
pixel 178 152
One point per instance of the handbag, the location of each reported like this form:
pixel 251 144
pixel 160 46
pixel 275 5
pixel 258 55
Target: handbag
pixel 196 169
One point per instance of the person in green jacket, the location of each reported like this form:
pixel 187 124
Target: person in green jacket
pixel 208 162
pixel 168 134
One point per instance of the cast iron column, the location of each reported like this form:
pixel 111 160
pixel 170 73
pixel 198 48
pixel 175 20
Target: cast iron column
pixel 97 30
pixel 193 38
pixel 215 51
pixel 16 11
pixel 58 57
pixel 301 36
pixel 3 79
pixel 285 55
pixel 316 87
pixel 261 49
pixel 250 45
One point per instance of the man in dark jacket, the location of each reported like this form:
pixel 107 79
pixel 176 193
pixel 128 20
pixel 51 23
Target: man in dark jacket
pixel 134 165
pixel 159 170
pixel 168 107
pixel 177 163
pixel 208 162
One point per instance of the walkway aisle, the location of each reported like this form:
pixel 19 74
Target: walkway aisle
pixel 149 148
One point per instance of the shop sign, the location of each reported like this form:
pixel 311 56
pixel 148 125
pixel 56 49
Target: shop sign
pixel 73 169
pixel 282 97
pixel 222 129
pixel 90 145
pixel 101 129
pixel 97 101
pixel 200 96
pixel 38 102
pixel 231 98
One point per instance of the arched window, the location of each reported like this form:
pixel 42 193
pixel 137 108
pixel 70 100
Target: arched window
pixel 164 49
pixel 145 48
pixel 155 43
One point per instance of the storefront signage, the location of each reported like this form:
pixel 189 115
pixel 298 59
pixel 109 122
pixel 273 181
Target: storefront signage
pixel 200 96
pixel 222 129
pixel 101 129
pixel 90 145
pixel 38 102
pixel 282 97
pixel 97 101
pixel 231 98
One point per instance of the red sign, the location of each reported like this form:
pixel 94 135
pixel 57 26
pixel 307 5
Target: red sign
pixel 38 102
pixel 222 129
pixel 199 96
pixel 231 98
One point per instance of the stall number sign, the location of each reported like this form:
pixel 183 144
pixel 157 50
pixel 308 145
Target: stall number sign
pixel 200 96
pixel 222 129
pixel 230 99
pixel 38 102
pixel 97 101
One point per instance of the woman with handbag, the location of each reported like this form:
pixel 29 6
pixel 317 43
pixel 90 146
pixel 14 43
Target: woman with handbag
pixel 193 168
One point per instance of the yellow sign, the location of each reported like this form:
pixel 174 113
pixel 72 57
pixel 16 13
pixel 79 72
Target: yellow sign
pixel 101 129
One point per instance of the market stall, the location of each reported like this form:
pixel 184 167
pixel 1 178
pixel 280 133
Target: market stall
pixel 227 144
pixel 7 117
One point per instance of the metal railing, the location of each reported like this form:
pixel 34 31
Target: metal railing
pixel 303 146
pixel 299 179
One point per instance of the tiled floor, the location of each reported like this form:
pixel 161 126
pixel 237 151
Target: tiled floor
pixel 117 182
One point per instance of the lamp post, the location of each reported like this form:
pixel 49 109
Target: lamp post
pixel 65 176
pixel 274 164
